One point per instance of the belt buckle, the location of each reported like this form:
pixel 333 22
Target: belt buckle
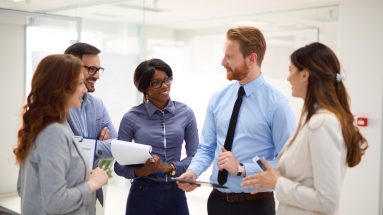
pixel 228 199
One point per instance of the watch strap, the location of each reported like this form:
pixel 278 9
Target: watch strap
pixel 174 168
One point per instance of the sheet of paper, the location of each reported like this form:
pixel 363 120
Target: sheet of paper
pixel 128 153
pixel 88 149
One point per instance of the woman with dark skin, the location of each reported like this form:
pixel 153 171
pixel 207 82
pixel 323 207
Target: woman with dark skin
pixel 163 124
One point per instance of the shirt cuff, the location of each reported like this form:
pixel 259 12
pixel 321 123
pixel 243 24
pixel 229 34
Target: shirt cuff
pixel 103 148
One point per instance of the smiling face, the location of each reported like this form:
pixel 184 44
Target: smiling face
pixel 90 80
pixel 159 96
pixel 75 99
pixel 298 80
pixel 235 63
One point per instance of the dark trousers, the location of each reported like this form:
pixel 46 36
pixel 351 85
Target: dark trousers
pixel 216 205
pixel 100 196
pixel 148 197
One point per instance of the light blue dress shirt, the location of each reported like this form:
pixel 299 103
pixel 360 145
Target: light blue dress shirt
pixel 265 122
pixel 165 130
pixel 89 120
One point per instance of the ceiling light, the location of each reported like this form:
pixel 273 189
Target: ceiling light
pixel 14 1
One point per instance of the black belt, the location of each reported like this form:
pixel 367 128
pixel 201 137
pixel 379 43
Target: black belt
pixel 239 197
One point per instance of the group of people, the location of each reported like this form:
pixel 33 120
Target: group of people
pixel 302 164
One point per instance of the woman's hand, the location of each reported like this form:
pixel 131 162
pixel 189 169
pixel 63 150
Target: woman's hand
pixel 97 178
pixel 152 165
pixel 263 180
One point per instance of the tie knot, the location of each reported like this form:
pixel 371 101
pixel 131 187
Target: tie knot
pixel 241 91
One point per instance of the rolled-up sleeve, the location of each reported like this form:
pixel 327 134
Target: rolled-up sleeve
pixel 208 144
pixel 191 143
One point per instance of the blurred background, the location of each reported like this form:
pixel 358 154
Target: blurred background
pixel 189 35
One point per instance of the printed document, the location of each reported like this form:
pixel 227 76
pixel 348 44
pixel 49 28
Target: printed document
pixel 128 153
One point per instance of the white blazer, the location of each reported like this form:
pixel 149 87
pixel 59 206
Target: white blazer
pixel 312 168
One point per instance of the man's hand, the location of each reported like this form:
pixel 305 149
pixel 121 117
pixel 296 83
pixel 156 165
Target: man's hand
pixel 226 160
pixel 104 135
pixel 188 175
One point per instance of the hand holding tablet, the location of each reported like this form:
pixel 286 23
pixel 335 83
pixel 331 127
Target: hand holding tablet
pixel 199 183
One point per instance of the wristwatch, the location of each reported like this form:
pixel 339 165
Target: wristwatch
pixel 241 169
pixel 173 172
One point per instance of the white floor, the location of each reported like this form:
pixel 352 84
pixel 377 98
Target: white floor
pixel 117 191
pixel 115 199
pixel 11 202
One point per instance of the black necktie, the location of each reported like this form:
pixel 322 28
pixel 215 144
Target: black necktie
pixel 222 175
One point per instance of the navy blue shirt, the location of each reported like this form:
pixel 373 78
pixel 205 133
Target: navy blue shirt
pixel 165 130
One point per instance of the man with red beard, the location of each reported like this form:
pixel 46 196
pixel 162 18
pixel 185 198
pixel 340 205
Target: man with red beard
pixel 92 120
pixel 259 125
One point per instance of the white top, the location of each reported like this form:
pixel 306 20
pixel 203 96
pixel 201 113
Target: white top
pixel 312 168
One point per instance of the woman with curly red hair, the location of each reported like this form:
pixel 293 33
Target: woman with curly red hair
pixel 54 177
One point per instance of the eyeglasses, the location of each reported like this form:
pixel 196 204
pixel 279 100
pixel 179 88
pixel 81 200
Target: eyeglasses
pixel 158 83
pixel 93 70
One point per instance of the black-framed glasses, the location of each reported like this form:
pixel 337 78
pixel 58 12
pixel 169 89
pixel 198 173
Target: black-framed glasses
pixel 93 70
pixel 158 83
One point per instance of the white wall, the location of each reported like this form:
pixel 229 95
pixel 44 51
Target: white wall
pixel 360 52
pixel 11 100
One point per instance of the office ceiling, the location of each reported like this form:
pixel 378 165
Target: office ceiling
pixel 181 14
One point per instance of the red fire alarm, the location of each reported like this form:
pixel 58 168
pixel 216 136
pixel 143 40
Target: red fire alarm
pixel 361 121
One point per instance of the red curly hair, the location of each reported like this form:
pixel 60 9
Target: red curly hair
pixel 54 81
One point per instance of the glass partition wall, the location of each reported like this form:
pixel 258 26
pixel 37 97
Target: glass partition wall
pixel 46 35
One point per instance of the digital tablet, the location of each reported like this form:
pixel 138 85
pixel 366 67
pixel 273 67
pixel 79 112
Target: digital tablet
pixel 199 183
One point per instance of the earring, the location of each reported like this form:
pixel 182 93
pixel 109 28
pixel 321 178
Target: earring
pixel 146 98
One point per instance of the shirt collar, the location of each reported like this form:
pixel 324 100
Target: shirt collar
pixel 253 85
pixel 84 98
pixel 151 109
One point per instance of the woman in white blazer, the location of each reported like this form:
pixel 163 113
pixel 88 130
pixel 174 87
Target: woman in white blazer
pixel 54 177
pixel 313 163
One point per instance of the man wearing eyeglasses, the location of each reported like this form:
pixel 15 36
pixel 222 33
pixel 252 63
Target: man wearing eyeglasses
pixel 92 120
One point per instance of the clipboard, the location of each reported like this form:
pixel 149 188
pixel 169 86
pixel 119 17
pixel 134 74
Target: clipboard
pixel 87 147
pixel 199 183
